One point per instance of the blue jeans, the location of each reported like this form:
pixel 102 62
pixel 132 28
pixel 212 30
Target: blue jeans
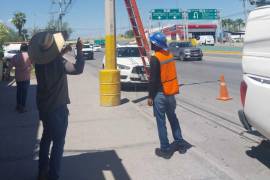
pixel 22 89
pixel 166 105
pixel 54 130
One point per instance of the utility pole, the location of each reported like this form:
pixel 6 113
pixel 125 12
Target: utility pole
pixel 62 11
pixel 245 9
pixel 110 77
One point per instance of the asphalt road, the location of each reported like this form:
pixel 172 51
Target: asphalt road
pixel 211 124
pixel 200 83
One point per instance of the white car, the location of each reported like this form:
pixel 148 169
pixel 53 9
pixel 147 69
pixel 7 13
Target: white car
pixel 130 64
pixel 206 40
pixel 87 51
pixel 255 87
pixel 96 48
pixel 11 50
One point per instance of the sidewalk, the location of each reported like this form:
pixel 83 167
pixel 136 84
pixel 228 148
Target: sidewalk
pixel 101 143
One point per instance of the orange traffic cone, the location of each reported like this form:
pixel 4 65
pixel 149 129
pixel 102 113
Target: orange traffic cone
pixel 224 94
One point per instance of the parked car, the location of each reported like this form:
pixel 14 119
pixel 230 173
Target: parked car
pixel 206 40
pixel 185 51
pixel 96 48
pixel 88 51
pixel 11 50
pixel 130 64
pixel 255 87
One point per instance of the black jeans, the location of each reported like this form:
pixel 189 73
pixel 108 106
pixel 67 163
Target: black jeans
pixel 22 90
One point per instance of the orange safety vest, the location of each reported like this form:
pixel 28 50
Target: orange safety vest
pixel 168 72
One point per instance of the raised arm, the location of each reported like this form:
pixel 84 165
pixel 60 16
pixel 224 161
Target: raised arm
pixel 77 68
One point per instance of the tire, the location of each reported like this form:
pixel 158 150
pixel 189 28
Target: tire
pixel 244 121
pixel 181 58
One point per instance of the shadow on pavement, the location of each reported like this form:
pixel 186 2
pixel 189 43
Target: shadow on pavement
pixel 95 166
pixel 261 153
pixel 199 83
pixel 18 135
pixel 132 87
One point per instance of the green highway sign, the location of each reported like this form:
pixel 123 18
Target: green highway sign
pixel 202 14
pixel 159 14
pixel 175 14
pixel 99 41
pixel 162 14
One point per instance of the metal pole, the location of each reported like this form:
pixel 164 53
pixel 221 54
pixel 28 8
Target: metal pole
pixel 110 76
pixel 245 9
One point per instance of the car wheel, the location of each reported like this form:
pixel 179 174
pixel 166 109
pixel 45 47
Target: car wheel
pixel 181 58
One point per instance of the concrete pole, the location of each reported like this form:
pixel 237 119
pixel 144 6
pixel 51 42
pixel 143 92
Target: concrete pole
pixel 110 76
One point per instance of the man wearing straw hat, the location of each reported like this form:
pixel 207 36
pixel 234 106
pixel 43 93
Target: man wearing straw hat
pixel 46 50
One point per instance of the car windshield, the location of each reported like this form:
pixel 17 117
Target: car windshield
pixel 128 52
pixel 86 46
pixel 13 51
pixel 184 44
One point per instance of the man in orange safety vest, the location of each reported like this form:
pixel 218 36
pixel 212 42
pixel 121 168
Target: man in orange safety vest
pixel 163 86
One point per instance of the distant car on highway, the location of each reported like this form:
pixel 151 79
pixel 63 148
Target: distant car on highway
pixel 130 64
pixel 255 87
pixel 206 40
pixel 185 51
pixel 88 52
pixel 96 47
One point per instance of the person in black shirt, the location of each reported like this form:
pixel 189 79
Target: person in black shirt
pixel 46 50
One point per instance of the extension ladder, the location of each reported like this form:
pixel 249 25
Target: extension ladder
pixel 138 30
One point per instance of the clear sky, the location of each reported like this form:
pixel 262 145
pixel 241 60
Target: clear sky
pixel 86 17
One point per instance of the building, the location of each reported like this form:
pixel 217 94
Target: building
pixel 177 32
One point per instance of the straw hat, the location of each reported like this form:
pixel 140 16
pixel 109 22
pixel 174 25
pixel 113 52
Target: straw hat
pixel 45 47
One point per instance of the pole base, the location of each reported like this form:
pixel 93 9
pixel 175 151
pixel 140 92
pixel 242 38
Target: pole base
pixel 110 88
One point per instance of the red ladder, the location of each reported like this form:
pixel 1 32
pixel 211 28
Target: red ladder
pixel 138 30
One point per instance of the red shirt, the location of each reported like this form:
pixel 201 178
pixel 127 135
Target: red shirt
pixel 22 65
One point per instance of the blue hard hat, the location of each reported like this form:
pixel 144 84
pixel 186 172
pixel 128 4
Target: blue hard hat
pixel 159 39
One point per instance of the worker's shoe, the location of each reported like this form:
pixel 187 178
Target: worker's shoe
pixel 166 154
pixel 182 149
pixel 181 146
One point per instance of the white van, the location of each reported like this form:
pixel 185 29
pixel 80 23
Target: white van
pixel 255 87
pixel 207 40
pixel 11 50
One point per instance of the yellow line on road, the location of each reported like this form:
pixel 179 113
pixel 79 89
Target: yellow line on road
pixel 224 52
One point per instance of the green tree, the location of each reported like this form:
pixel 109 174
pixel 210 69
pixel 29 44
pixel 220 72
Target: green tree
pixel 8 35
pixel 19 21
pixel 4 32
pixel 129 34
pixel 239 23
pixel 53 26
